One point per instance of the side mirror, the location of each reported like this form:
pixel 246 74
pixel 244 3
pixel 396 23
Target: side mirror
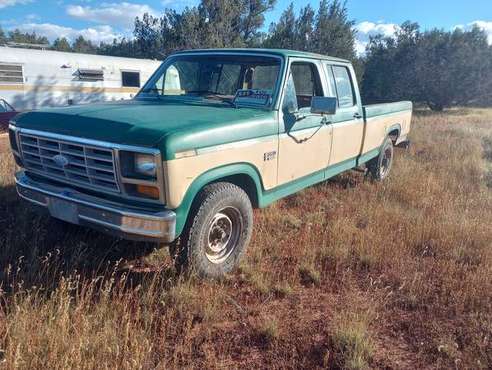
pixel 323 105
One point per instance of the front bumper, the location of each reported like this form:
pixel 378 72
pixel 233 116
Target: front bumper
pixel 78 208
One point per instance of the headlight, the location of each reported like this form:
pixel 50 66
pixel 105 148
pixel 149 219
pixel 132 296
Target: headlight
pixel 14 146
pixel 13 139
pixel 138 165
pixel 145 164
pixel 139 174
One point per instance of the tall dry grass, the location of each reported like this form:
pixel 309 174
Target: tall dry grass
pixel 346 274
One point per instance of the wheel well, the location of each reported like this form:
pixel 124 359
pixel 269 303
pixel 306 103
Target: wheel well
pixel 246 183
pixel 393 135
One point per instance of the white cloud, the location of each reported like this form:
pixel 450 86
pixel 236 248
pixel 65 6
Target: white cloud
pixel 6 3
pixel 52 31
pixel 366 29
pixel 32 17
pixel 116 14
pixel 371 28
pixel 360 46
pixel 484 25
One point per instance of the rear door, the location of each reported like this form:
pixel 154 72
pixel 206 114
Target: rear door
pixel 348 122
pixel 305 142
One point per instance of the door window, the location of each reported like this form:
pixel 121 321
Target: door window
pixel 306 83
pixel 345 91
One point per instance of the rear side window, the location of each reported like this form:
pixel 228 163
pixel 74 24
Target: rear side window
pixel 331 81
pixel 345 91
pixel 130 79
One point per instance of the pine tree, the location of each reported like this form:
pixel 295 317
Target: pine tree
pixel 61 44
pixel 329 31
pixel 3 37
pixel 81 45
pixel 282 35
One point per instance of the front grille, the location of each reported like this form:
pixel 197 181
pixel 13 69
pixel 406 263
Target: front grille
pixel 72 162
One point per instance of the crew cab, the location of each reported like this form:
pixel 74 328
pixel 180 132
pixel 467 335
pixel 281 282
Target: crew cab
pixel 211 135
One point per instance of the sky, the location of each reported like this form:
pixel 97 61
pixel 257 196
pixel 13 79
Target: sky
pixel 109 19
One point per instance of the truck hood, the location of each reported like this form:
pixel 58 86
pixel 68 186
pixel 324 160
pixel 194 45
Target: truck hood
pixel 142 122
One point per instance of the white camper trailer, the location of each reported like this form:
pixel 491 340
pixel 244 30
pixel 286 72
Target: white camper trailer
pixel 31 79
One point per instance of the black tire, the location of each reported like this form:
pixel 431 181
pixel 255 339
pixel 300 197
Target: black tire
pixel 380 167
pixel 217 232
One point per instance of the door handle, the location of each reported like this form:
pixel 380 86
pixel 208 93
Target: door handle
pixel 357 115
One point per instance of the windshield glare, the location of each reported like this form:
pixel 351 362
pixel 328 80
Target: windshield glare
pixel 226 78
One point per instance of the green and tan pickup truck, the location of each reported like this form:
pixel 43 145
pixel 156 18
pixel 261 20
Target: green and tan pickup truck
pixel 212 135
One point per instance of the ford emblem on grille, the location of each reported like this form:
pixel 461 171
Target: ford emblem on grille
pixel 60 160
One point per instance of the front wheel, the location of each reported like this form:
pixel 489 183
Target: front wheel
pixel 380 167
pixel 217 232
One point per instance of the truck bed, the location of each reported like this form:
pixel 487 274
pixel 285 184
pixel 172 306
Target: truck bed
pixel 373 110
pixel 383 119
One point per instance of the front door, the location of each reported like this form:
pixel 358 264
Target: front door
pixel 305 138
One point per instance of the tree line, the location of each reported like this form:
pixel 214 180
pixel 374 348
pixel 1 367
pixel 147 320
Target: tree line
pixel 436 68
pixel 79 45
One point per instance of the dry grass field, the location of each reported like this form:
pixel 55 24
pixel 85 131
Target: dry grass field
pixel 4 142
pixel 347 274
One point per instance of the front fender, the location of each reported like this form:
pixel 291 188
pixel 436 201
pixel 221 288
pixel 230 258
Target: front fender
pixel 208 177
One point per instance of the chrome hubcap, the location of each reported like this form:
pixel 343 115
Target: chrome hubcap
pixel 223 234
pixel 386 162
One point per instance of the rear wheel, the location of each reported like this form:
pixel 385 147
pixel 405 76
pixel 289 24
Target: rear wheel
pixel 217 232
pixel 380 167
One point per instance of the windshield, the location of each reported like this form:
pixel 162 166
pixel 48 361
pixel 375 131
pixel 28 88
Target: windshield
pixel 233 79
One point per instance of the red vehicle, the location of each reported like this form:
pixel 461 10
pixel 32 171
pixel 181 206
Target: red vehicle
pixel 6 114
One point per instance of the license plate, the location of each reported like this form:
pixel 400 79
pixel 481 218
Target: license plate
pixel 63 210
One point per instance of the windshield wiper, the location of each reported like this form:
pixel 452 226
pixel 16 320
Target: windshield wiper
pixel 232 103
pixel 210 95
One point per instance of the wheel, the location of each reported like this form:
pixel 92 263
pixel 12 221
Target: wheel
pixel 217 232
pixel 380 167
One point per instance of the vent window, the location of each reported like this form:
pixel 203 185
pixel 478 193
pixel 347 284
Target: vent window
pixel 11 73
pixel 90 74
pixel 130 79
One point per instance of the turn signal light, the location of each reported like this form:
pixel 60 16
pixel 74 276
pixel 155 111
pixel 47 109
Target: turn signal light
pixel 149 191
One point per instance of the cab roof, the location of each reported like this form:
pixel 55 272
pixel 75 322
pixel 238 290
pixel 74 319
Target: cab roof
pixel 278 52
